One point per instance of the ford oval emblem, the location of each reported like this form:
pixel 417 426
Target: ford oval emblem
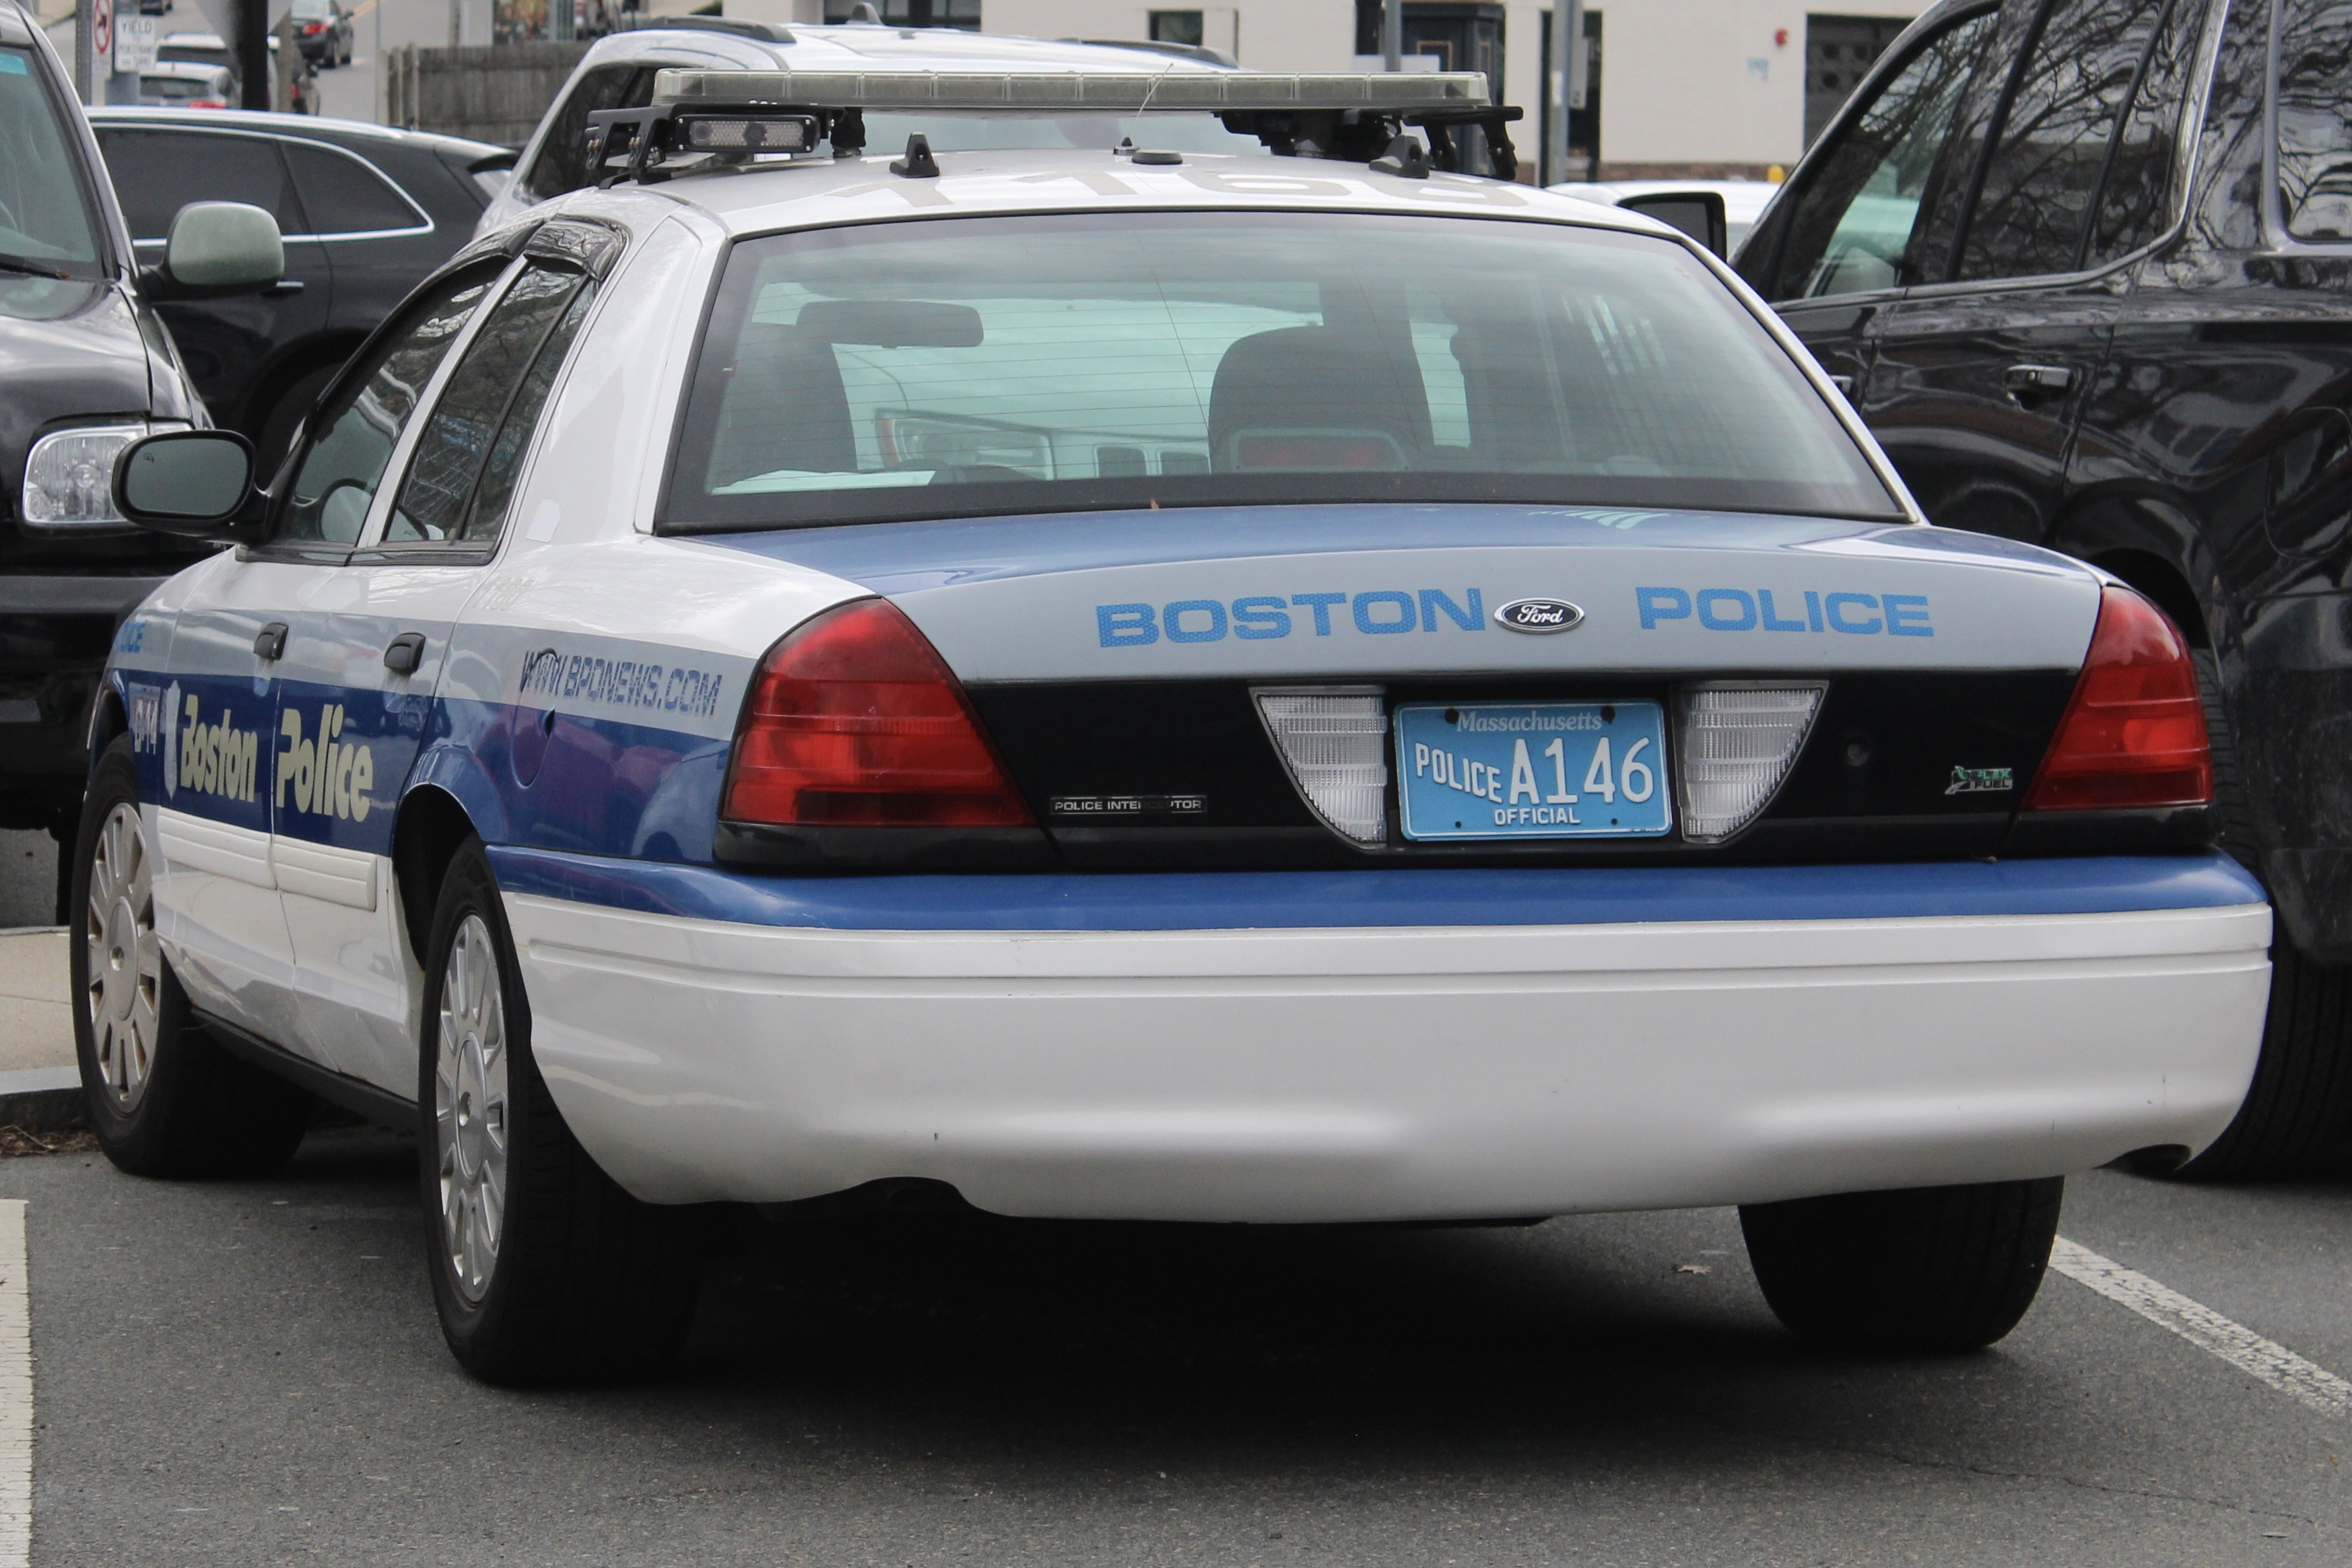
pixel 1539 615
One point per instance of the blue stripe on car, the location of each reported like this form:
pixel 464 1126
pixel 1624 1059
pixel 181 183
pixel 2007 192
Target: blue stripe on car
pixel 1214 900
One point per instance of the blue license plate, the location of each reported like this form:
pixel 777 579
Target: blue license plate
pixel 1533 770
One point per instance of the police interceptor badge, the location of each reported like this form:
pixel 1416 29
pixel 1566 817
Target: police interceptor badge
pixel 1537 616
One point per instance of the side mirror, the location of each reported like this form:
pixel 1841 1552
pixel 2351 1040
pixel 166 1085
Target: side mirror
pixel 1698 214
pixel 217 248
pixel 194 483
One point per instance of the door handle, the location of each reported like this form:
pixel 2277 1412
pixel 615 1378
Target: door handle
pixel 404 653
pixel 270 645
pixel 2026 383
pixel 283 287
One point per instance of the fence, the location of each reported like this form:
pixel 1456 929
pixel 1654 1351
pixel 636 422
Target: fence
pixel 492 93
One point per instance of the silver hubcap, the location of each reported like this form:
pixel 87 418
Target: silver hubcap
pixel 469 1108
pixel 122 961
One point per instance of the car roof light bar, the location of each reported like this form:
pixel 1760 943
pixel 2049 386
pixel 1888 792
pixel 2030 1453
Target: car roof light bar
pixel 1128 91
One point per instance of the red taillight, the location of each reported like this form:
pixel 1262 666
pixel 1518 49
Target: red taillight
pixel 2134 734
pixel 311 27
pixel 854 721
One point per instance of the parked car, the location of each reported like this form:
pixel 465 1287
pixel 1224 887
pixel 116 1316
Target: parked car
pixel 323 32
pixel 89 368
pixel 182 84
pixel 2083 265
pixel 617 72
pixel 1669 202
pixel 204 49
pixel 967 676
pixel 367 213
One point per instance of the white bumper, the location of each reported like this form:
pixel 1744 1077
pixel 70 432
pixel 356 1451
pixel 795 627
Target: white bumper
pixel 1387 1074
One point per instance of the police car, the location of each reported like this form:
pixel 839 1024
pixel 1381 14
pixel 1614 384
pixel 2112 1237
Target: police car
pixel 1135 685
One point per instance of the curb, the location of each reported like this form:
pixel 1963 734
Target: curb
pixel 43 1099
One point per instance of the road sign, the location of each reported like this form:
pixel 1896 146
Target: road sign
pixel 101 31
pixel 135 40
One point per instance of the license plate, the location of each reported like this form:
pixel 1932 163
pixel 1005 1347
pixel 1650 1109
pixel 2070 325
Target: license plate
pixel 1533 770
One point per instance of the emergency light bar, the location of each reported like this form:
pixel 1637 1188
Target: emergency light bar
pixel 1129 92
pixel 734 116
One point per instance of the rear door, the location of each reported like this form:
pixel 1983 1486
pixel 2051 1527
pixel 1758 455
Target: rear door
pixel 369 643
pixel 229 345
pixel 1985 367
pixel 1838 249
pixel 323 790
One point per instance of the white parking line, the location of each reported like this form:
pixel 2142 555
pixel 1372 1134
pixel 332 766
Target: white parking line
pixel 15 1391
pixel 2203 1327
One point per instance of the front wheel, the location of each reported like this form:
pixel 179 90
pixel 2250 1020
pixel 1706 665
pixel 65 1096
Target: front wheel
pixel 164 1098
pixel 544 1270
pixel 1929 1271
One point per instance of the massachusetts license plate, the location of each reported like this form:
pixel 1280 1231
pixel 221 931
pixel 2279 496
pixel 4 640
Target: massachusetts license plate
pixel 1533 770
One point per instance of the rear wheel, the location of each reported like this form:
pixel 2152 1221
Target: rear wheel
pixel 2298 1109
pixel 1930 1270
pixel 164 1099
pixel 544 1270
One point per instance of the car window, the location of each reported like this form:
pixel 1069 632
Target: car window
pixel 43 215
pixel 2136 200
pixel 345 196
pixel 2313 50
pixel 156 173
pixel 1860 223
pixel 356 431
pixel 2054 140
pixel 982 364
pixel 462 476
pixel 562 165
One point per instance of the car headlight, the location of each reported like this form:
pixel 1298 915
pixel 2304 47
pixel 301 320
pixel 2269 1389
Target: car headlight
pixel 69 477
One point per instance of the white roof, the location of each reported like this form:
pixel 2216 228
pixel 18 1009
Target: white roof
pixel 823 192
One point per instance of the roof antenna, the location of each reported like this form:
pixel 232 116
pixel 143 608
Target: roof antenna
pixel 1128 143
pixel 918 163
pixel 863 15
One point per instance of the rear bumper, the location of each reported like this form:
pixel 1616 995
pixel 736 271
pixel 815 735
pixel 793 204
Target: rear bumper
pixel 1365 1071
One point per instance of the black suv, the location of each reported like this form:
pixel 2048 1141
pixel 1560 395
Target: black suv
pixel 86 368
pixel 366 212
pixel 2085 266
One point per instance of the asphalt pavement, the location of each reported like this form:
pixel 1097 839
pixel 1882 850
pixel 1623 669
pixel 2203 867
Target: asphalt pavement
pixel 249 1373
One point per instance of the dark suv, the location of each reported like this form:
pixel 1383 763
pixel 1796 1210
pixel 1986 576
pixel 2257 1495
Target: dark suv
pixel 2085 266
pixel 366 212
pixel 86 368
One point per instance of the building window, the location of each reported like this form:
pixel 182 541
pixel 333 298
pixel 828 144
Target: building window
pixel 1176 27
pixel 960 14
pixel 1839 51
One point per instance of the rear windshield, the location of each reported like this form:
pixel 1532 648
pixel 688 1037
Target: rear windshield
pixel 958 367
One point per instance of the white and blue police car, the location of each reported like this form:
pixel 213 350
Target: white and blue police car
pixel 1135 684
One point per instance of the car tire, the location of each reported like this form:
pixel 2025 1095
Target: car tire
pixel 164 1099
pixel 2297 1111
pixel 544 1270
pixel 1930 1270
